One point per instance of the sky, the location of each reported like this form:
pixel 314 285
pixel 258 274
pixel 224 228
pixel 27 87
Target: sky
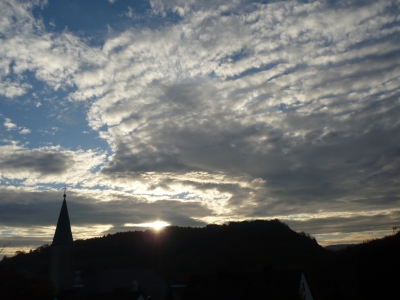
pixel 195 112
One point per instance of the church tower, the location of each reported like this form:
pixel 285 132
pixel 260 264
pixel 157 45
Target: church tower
pixel 61 272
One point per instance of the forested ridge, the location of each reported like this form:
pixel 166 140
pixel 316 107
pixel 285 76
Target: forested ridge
pixel 176 253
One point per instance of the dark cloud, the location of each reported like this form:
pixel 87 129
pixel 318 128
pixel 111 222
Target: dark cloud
pixel 24 209
pixel 352 175
pixel 144 161
pixel 26 214
pixel 43 163
pixel 349 224
pixel 356 156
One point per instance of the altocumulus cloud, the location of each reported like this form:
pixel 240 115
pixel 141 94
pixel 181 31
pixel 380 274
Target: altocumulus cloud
pixel 47 165
pixel 231 111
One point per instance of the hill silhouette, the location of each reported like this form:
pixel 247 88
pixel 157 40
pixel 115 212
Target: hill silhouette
pixel 361 271
pixel 369 270
pixel 177 252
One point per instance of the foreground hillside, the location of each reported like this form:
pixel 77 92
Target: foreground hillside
pixel 369 270
pixel 177 252
pixel 364 271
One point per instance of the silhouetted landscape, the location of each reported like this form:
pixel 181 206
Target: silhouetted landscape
pixel 363 271
pixel 152 113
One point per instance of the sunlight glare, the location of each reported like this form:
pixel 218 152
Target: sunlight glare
pixel 157 225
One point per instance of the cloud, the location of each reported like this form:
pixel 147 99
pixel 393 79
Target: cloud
pixel 282 92
pixel 24 130
pixel 27 47
pixel 28 216
pixel 29 208
pixel 47 164
pixel 182 7
pixel 32 214
pixel 44 163
pixel 9 125
pixel 348 224
pixel 13 89
pixel 247 110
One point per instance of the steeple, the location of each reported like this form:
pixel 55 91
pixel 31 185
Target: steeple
pixel 61 256
pixel 63 234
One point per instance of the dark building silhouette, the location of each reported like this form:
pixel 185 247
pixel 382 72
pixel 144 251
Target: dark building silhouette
pixel 127 284
pixel 269 284
pixel 61 270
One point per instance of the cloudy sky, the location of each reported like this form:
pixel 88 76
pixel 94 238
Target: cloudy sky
pixel 196 112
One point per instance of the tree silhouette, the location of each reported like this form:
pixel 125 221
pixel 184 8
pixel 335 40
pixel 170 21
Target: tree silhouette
pixel 4 246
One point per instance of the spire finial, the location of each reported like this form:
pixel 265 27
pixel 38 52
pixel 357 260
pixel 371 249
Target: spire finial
pixel 65 192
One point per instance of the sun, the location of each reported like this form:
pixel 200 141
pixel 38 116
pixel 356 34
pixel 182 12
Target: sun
pixel 157 225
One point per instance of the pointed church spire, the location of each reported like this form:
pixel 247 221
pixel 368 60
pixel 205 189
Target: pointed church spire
pixel 63 234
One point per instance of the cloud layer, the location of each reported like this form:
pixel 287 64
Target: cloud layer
pixel 235 110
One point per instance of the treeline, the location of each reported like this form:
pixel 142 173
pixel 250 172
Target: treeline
pixel 176 253
pixel 369 270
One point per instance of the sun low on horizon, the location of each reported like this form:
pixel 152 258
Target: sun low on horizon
pixel 156 225
pixel 201 112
